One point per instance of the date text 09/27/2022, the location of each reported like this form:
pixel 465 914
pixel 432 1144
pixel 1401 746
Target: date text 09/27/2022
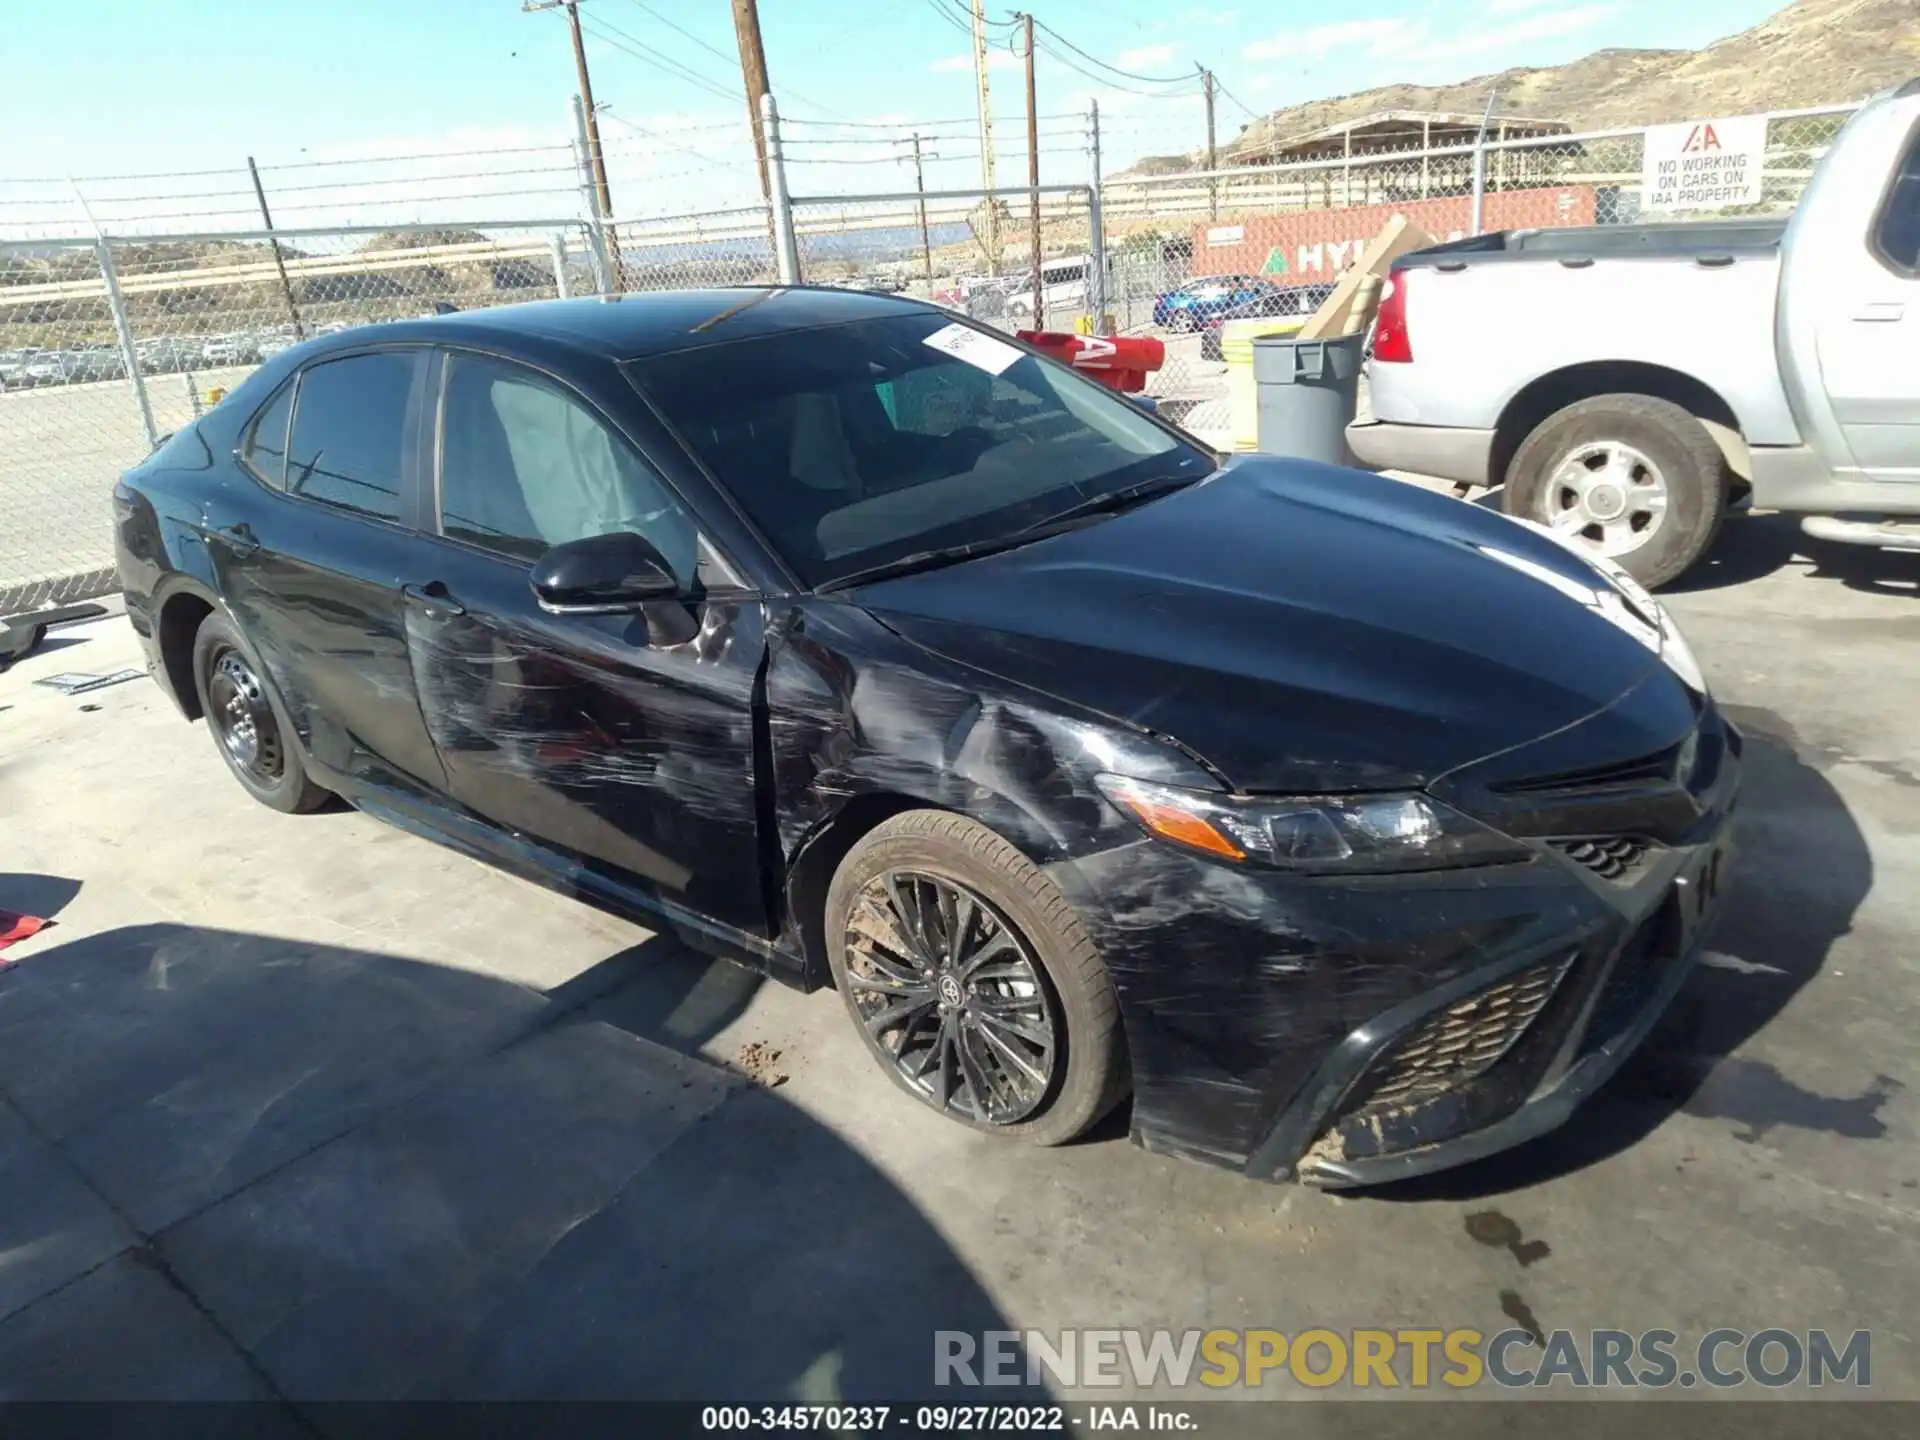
pixel 947 1419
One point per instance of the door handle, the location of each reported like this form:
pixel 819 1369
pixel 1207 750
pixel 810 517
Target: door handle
pixel 240 538
pixel 434 600
pixel 1880 310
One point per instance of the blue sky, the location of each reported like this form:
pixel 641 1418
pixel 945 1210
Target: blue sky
pixel 118 87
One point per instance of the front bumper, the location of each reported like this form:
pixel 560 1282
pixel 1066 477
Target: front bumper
pixel 1585 1048
pixel 1355 1031
pixel 1464 456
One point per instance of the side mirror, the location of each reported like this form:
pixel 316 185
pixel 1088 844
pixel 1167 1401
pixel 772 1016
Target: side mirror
pixel 603 573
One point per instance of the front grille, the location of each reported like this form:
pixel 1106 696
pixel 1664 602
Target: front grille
pixel 1646 769
pixel 1462 1042
pixel 1611 857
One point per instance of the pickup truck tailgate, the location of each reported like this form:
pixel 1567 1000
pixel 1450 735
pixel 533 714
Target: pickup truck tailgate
pixel 1484 323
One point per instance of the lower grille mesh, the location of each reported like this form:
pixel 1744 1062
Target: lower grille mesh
pixel 1463 1041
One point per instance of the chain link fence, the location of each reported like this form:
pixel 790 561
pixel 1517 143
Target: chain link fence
pixel 970 250
pixel 84 394
pixel 681 252
pixel 108 344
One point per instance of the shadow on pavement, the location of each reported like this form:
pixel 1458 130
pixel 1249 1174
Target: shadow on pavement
pixel 42 895
pixel 236 1166
pixel 1801 869
pixel 1752 546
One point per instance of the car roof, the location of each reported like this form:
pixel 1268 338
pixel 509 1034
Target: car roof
pixel 635 326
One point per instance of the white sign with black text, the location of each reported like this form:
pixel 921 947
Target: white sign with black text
pixel 1703 164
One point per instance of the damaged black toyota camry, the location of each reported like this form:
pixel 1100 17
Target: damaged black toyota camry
pixel 1350 830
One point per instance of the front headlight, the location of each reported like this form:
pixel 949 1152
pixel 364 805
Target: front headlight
pixel 1318 835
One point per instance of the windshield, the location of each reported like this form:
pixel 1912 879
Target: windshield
pixel 854 445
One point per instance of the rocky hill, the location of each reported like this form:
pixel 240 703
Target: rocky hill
pixel 1814 52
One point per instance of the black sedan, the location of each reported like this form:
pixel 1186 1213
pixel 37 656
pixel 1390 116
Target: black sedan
pixel 1352 830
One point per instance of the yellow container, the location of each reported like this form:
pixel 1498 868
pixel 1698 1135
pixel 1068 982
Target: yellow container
pixel 1236 348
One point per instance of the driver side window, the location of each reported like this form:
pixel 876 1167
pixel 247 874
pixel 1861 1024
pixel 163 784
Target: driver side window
pixel 526 466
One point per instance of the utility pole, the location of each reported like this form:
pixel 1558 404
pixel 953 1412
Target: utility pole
pixel 920 185
pixel 753 71
pixel 279 259
pixel 596 157
pixel 1213 190
pixel 1033 174
pixel 1096 227
pixel 986 135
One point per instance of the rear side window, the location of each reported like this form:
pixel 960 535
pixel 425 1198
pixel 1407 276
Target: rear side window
pixel 1896 234
pixel 265 448
pixel 349 433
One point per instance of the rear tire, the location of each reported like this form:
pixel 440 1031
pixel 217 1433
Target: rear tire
pixel 1632 477
pixel 1022 968
pixel 249 728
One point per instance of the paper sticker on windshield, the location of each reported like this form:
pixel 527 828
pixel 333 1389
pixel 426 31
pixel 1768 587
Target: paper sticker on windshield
pixel 979 350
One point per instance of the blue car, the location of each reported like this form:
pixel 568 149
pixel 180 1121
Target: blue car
pixel 1189 307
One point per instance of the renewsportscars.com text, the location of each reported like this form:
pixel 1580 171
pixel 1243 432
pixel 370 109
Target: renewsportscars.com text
pixel 1413 1359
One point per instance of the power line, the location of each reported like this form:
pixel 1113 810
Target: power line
pixel 1095 59
pixel 394 159
pixel 1246 109
pixel 1110 83
pixel 671 144
pixel 639 50
pixel 713 50
pixel 718 53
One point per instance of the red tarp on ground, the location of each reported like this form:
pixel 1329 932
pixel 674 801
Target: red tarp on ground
pixel 18 927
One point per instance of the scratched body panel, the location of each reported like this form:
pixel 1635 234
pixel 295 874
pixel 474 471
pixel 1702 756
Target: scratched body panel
pixel 576 731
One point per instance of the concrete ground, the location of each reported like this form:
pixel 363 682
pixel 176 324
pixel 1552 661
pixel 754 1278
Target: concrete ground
pixel 307 1108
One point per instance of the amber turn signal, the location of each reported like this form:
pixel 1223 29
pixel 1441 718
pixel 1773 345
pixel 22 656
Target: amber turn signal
pixel 1171 822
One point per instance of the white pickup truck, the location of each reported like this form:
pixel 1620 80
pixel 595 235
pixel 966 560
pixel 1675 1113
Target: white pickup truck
pixel 1628 384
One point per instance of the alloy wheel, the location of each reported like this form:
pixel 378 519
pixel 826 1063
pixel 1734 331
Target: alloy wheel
pixel 951 995
pixel 243 718
pixel 1607 495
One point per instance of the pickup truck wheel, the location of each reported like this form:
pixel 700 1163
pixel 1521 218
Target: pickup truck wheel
pixel 972 981
pixel 1630 477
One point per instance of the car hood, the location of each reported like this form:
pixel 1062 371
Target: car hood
pixel 1301 627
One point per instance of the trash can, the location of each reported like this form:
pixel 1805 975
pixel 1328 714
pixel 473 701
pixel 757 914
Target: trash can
pixel 1243 395
pixel 1307 393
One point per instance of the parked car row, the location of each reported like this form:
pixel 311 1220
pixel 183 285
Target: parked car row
pixel 29 367
pixel 1279 301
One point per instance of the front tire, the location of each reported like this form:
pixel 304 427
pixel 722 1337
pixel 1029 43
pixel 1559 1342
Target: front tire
pixel 248 727
pixel 1631 477
pixel 971 980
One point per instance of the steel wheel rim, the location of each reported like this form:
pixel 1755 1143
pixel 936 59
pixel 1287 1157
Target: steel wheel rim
pixel 243 719
pixel 1607 496
pixel 951 995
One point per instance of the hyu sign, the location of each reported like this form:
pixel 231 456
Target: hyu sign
pixel 1703 164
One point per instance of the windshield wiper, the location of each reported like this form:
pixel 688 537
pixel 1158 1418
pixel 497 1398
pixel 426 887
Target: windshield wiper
pixel 1125 498
pixel 927 560
pixel 1122 499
